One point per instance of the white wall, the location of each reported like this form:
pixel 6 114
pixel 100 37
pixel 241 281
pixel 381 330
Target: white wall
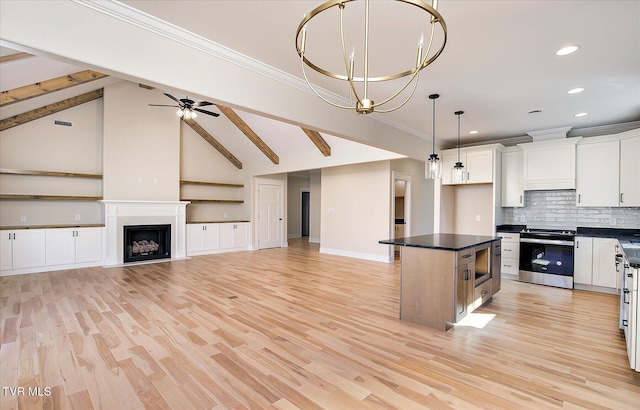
pixel 141 146
pixel 356 210
pixel 471 202
pixel 315 199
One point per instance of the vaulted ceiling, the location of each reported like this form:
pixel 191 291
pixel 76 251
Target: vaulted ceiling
pixel 498 65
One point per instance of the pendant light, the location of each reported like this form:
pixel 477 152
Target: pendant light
pixel 459 174
pixel 434 165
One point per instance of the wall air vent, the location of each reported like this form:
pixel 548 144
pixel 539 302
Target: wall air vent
pixel 63 123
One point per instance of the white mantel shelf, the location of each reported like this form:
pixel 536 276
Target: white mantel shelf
pixel 119 213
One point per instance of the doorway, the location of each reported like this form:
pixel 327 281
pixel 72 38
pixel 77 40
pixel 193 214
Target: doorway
pixel 400 209
pixel 305 198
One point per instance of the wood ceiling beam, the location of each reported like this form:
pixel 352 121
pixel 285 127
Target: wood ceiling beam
pixel 49 109
pixel 48 86
pixel 15 56
pixel 317 139
pixel 214 143
pixel 246 130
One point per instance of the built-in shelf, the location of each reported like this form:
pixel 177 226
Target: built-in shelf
pixel 219 184
pixel 48 173
pixel 49 197
pixel 213 201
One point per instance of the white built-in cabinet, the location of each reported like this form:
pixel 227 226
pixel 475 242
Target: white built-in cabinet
pixel 37 250
pixel 205 238
pixel 607 172
pixel 512 177
pixel 478 163
pixel 510 253
pixel 67 246
pixel 595 262
pixel 22 248
pixel 550 164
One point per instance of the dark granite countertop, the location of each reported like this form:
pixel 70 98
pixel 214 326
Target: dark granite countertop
pixel 510 228
pixel 444 241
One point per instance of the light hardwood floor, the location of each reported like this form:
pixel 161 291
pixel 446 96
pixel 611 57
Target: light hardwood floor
pixel 291 328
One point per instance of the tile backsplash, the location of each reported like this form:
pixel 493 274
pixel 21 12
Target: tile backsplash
pixel 557 210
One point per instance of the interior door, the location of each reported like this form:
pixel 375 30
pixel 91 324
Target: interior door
pixel 270 216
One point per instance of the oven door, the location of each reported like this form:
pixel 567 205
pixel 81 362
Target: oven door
pixel 545 256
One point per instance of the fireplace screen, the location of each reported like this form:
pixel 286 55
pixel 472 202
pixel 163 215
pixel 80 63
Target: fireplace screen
pixel 146 242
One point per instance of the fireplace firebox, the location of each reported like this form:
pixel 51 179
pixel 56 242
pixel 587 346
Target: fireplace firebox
pixel 146 242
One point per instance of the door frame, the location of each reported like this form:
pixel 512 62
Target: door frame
pixel 256 209
pixel 399 176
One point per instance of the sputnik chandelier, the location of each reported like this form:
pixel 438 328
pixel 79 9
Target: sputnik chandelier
pixel 357 75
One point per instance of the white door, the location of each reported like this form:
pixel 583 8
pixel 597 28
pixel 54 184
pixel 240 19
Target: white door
pixel 270 216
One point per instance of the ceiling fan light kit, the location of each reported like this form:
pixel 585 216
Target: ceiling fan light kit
pixel 361 101
pixel 187 107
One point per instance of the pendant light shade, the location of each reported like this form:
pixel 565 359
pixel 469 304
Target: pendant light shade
pixel 434 165
pixel 458 173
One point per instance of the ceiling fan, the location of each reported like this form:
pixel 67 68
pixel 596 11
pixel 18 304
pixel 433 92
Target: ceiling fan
pixel 187 107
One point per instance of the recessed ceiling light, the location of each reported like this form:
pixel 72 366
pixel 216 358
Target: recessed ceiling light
pixel 566 50
pixel 581 114
pixel 473 132
pixel 576 90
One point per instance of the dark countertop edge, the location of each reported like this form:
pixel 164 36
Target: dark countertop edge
pixel 508 228
pixel 15 228
pixel 226 221
pixel 618 233
pixel 444 248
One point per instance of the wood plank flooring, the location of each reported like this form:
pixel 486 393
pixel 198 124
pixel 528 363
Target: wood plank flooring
pixel 291 328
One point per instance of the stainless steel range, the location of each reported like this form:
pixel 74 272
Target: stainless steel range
pixel 546 257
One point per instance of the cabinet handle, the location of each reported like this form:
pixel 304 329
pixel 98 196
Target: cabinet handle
pixel 484 292
pixel 625 322
pixel 577 244
pixel 621 197
pixel 521 199
pixel 14 236
pixel 625 298
pixel 579 198
pixel 507 266
pixel 466 256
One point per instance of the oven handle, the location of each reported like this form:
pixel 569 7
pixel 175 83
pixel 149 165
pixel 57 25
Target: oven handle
pixel 546 241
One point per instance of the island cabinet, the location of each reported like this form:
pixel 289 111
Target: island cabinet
pixel 444 277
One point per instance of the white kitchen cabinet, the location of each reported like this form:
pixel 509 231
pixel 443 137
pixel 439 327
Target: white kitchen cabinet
pixel 594 262
pixel 203 237
pixel 234 235
pixel 512 178
pixel 550 164
pixel 598 174
pixel 22 248
pixel 629 171
pixel 478 165
pixel 66 246
pixel 510 253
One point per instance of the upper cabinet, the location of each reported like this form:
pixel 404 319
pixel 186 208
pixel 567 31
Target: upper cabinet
pixel 550 164
pixel 607 171
pixel 479 164
pixel 512 178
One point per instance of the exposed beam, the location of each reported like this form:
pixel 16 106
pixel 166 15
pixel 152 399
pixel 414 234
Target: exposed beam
pixel 246 130
pixel 15 56
pixel 49 109
pixel 317 139
pixel 214 143
pixel 48 86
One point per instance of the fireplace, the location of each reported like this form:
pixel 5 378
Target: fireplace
pixel 146 242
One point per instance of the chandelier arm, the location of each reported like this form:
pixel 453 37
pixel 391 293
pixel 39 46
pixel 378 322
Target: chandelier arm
pixel 304 73
pixel 348 67
pixel 415 85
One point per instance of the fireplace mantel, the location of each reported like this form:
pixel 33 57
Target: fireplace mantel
pixel 119 213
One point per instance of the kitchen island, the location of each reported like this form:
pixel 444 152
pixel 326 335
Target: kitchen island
pixel 444 277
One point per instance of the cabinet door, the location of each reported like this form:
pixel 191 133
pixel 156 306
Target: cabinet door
pixel 583 261
pixel 6 254
pixel 195 237
pixel 512 182
pixel 465 276
pixel 241 235
pixel 629 171
pixel 597 174
pixel 211 235
pixel 61 246
pixel 88 245
pixel 226 235
pixel 479 167
pixel 496 266
pixel 604 264
pixel 29 248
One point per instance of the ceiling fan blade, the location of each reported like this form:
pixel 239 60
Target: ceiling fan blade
pixel 187 101
pixel 162 105
pixel 203 103
pixel 172 97
pixel 213 114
